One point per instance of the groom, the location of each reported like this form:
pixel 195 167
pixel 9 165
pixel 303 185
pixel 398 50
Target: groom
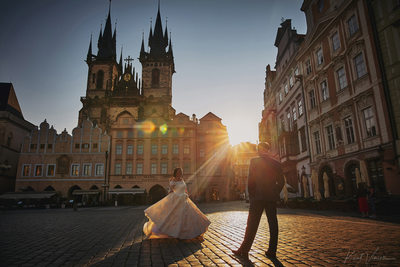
pixel 265 182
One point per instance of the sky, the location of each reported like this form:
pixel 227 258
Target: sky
pixel 221 49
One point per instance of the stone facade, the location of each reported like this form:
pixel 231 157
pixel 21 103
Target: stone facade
pixel 344 105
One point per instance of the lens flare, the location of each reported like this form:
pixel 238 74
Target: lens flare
pixel 181 130
pixel 164 128
pixel 147 126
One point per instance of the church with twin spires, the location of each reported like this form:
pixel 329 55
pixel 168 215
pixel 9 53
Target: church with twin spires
pixel 129 138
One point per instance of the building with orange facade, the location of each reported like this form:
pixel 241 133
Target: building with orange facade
pixel 336 76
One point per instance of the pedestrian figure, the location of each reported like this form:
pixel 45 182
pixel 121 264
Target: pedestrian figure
pixel 371 202
pixel 265 182
pixel 362 199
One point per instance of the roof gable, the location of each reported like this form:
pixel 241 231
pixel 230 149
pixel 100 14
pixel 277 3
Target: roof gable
pixel 8 100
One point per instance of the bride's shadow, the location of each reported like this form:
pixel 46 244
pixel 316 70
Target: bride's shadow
pixel 155 252
pixel 248 262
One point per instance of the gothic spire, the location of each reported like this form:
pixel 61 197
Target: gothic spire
pixel 89 54
pixel 100 40
pixel 142 47
pixel 120 62
pixel 166 33
pixel 157 41
pixel 107 41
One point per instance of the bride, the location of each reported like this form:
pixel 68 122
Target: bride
pixel 175 215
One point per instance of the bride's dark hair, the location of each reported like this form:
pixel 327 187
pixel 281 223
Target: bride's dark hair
pixel 176 171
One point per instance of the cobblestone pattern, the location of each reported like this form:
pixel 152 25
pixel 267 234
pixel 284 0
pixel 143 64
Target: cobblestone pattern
pixel 113 237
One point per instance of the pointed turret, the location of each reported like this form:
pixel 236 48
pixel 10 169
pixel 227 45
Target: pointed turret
pixel 150 35
pixel 120 63
pixel 157 41
pixel 89 54
pixel 107 42
pixel 166 34
pixel 100 40
pixel 142 47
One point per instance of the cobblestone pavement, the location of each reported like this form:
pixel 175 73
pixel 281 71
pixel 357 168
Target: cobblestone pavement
pixel 113 237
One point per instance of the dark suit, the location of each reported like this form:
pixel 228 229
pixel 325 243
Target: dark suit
pixel 265 182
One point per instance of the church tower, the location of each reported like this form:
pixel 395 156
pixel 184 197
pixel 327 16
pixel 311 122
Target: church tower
pixel 103 73
pixel 158 63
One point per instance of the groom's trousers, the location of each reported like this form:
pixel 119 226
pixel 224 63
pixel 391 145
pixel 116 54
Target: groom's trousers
pixel 256 209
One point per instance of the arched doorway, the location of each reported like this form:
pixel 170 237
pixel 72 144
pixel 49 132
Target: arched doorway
pixel 351 181
pixel 71 196
pixel 331 183
pixel 156 193
pixel 94 187
pixel 49 188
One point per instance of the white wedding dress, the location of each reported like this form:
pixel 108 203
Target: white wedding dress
pixel 175 216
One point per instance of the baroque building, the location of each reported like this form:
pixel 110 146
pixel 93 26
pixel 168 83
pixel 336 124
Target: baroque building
pixel 337 85
pixel 147 138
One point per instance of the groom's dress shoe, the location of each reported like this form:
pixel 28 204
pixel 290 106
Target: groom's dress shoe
pixel 271 255
pixel 241 254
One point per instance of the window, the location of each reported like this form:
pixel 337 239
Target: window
pixel 324 91
pixel 118 149
pixel 153 168
pixel 291 81
pixel 320 56
pixel 33 146
pixel 38 170
pixel 93 78
pixel 296 71
pixel 130 134
pixel 353 25
pixel 164 168
pixel 348 125
pixel 139 168
pixel 87 167
pixel 341 78
pixel 286 89
pixel 289 119
pixel 320 5
pixel 331 138
pixel 154 149
pixel 164 149
pixel 369 122
pixel 308 67
pixel 175 165
pixel 100 79
pixel 26 170
pixel 95 146
pixel 49 146
pixel 317 141
pixel 300 104
pixel 201 153
pixel 41 145
pixel 139 149
pixel 155 78
pixel 175 149
pixel 75 170
pixel 129 149
pixel 280 97
pixel 140 134
pixel 154 134
pixel 119 134
pixel 294 111
pixel 360 65
pixel 77 146
pixel 117 169
pixel 186 149
pixel 311 94
pixel 99 169
pixel 128 168
pixel 335 41
pixel 51 170
pixel 186 167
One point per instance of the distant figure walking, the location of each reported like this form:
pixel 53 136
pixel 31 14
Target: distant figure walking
pixel 265 182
